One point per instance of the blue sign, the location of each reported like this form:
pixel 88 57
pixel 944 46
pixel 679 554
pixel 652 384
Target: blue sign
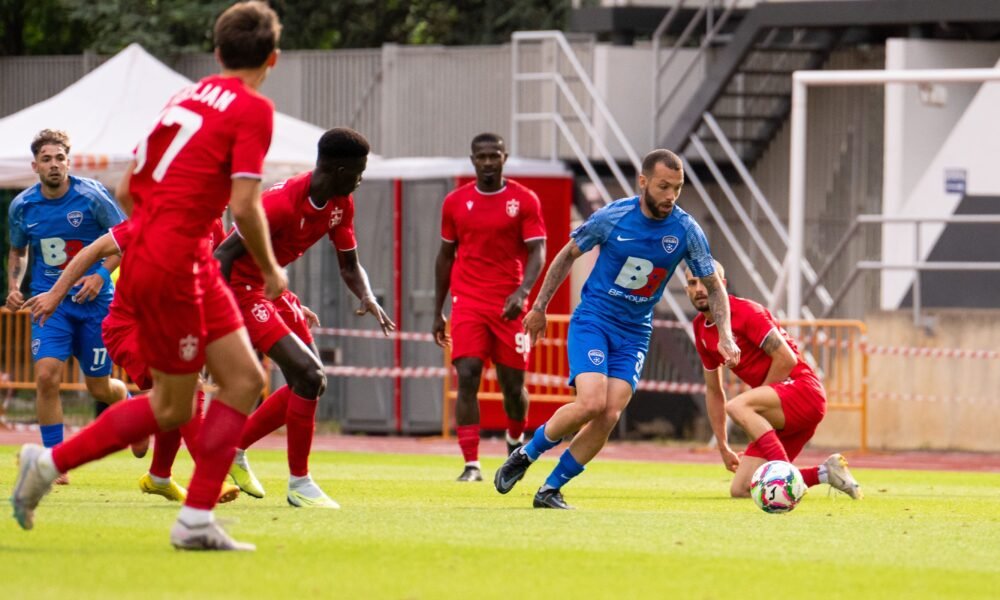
pixel 954 181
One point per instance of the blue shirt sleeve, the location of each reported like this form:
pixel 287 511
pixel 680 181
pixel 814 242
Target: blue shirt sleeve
pixel 105 209
pixel 597 229
pixel 697 256
pixel 15 224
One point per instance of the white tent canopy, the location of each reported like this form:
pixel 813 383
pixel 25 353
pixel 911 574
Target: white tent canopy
pixel 108 110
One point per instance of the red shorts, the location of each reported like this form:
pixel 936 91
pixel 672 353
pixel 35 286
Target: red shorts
pixel 178 314
pixel 804 403
pixel 122 341
pixel 482 333
pixel 268 321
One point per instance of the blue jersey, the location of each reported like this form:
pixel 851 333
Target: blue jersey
pixel 57 229
pixel 638 256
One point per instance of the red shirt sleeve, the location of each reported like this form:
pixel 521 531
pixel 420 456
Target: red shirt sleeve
pixel 253 138
pixel 532 225
pixel 448 232
pixel 342 234
pixel 122 235
pixel 278 208
pixel 709 359
pixel 755 320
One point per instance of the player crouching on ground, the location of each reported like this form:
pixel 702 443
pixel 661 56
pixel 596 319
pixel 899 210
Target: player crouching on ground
pixel 785 405
pixel 300 211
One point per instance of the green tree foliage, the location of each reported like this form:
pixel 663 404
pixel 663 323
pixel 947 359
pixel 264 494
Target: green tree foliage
pixel 169 27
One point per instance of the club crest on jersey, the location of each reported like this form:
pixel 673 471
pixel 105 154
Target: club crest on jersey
pixel 670 243
pixel 468 205
pixel 35 345
pixel 336 217
pixel 596 356
pixel 188 347
pixel 512 207
pixel 259 312
pixel 75 218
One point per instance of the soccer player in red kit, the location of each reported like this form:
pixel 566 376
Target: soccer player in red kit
pixel 300 211
pixel 492 250
pixel 786 401
pixel 120 335
pixel 206 150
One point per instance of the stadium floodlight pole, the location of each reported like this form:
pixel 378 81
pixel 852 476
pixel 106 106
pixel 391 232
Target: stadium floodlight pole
pixel 801 80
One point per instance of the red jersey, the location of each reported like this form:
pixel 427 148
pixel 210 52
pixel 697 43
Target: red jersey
pixel 209 133
pixel 751 323
pixel 122 234
pixel 296 223
pixel 491 231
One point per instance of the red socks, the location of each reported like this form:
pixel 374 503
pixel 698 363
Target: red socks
pixel 301 423
pixel 810 475
pixel 216 450
pixel 468 441
pixel 515 428
pixel 167 443
pixel 770 446
pixel 123 423
pixel 269 416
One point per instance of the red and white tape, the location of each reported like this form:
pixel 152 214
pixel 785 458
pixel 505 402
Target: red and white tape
pixel 932 352
pixel 408 336
pixel 909 397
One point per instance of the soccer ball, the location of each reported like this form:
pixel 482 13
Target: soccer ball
pixel 777 487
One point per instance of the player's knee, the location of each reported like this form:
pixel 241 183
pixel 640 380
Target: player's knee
pixel 739 489
pixel 48 380
pixel 735 408
pixel 173 414
pixel 469 370
pixel 310 382
pixel 592 406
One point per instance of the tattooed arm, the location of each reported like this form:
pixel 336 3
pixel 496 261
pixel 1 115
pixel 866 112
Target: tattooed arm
pixel 783 360
pixel 534 321
pixel 718 304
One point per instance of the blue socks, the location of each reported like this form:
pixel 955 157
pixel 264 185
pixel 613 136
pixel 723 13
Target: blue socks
pixel 52 434
pixel 567 469
pixel 539 444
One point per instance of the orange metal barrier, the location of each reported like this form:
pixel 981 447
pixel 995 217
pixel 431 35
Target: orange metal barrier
pixel 17 369
pixel 837 349
pixel 548 358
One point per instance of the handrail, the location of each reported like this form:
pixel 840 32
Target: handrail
pixel 560 39
pixel 917 266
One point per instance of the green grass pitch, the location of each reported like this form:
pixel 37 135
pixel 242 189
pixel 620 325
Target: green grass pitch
pixel 407 530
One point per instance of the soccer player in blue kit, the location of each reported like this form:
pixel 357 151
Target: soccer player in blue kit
pixel 642 241
pixel 57 217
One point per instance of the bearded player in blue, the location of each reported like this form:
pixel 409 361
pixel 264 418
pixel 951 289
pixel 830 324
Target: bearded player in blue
pixel 642 241
pixel 57 217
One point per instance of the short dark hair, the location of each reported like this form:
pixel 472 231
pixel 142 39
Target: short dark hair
pixel 342 142
pixel 49 136
pixel 660 155
pixel 246 33
pixel 487 138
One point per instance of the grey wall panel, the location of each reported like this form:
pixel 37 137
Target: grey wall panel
pixel 421 239
pixel 27 80
pixel 435 99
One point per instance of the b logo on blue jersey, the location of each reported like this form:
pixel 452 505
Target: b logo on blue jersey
pixel 75 218
pixel 596 356
pixel 670 243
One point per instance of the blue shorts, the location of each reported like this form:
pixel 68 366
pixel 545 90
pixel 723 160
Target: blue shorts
pixel 600 347
pixel 74 329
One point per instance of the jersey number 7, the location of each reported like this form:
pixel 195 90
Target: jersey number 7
pixel 189 122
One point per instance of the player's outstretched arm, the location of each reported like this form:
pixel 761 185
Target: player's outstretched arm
pixel 514 303
pixel 228 251
pixel 783 360
pixel 534 321
pixel 356 278
pixel 17 262
pixel 442 282
pixel 43 305
pixel 715 407
pixel 718 304
pixel 244 202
